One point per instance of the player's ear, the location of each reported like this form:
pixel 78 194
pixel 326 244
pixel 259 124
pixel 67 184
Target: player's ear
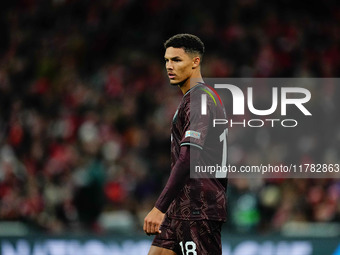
pixel 196 62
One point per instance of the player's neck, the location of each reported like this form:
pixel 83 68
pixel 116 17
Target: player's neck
pixel 191 82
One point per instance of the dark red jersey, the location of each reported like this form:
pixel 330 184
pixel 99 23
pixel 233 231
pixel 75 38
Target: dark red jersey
pixel 200 198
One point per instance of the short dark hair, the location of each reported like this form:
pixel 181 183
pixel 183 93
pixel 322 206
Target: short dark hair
pixel 190 43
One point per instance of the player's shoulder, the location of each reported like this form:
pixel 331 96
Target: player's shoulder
pixel 210 95
pixel 203 88
pixel 199 89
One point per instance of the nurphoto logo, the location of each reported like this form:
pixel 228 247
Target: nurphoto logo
pixel 283 96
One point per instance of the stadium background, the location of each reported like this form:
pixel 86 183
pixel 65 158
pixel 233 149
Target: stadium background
pixel 85 110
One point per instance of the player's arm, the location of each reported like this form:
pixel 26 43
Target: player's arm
pixel 178 176
pixel 180 173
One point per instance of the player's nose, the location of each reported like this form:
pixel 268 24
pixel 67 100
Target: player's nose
pixel 169 65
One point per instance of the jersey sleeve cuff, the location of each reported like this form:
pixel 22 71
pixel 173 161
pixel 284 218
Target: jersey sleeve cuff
pixel 159 207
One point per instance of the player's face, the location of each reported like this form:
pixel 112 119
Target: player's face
pixel 179 65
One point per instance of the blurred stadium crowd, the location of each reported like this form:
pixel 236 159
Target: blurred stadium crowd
pixel 85 107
